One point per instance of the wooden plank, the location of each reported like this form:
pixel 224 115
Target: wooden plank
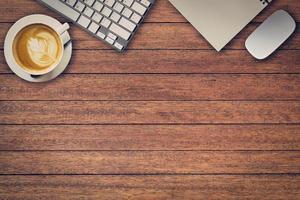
pixel 163 36
pixel 150 187
pixel 149 137
pixel 176 61
pixel 27 7
pixel 155 87
pixel 148 162
pixel 148 112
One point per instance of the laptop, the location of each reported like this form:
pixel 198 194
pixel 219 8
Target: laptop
pixel 218 21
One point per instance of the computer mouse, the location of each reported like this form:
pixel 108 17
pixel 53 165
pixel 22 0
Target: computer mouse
pixel 271 34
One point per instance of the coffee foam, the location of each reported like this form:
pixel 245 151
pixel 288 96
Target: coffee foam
pixel 37 47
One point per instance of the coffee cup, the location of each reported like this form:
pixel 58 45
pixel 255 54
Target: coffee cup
pixel 35 44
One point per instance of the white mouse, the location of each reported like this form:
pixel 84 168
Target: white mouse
pixel 271 34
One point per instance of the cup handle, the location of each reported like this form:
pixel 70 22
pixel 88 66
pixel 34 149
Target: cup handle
pixel 62 31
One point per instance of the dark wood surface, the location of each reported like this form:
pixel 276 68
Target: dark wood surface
pixel 168 119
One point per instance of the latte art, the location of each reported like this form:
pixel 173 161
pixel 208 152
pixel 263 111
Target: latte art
pixel 37 47
pixel 42 49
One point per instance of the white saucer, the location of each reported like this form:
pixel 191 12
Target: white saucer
pixel 8 52
pixel 51 75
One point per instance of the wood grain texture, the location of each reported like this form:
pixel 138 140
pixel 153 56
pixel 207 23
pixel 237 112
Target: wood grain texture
pixel 176 61
pixel 149 162
pixel 162 36
pixel 154 87
pixel 150 137
pixel 150 187
pixel 26 7
pixel 148 112
pixel 168 119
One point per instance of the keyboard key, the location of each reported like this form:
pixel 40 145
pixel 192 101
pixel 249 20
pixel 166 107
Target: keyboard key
pixel 110 3
pixel 106 11
pixel 118 7
pixel 101 35
pixel 97 17
pixel 128 2
pixel 88 11
pixel 127 24
pixel 145 3
pixel 119 31
pixel 112 36
pixel 115 16
pixel 79 6
pixel 62 8
pixel 105 22
pixel 139 8
pixel 98 6
pixel 89 2
pixel 71 2
pixel 127 13
pixel 118 46
pixel 136 18
pixel 84 21
pixel 94 27
pixel 109 40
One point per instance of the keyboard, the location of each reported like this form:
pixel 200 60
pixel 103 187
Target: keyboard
pixel 113 21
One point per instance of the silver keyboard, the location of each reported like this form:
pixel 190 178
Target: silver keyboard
pixel 113 21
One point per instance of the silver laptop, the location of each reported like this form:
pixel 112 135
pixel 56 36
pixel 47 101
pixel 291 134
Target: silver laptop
pixel 219 20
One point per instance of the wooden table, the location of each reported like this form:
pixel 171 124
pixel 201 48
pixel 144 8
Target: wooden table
pixel 169 119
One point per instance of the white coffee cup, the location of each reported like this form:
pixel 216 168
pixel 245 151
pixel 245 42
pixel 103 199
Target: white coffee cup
pixel 37 19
